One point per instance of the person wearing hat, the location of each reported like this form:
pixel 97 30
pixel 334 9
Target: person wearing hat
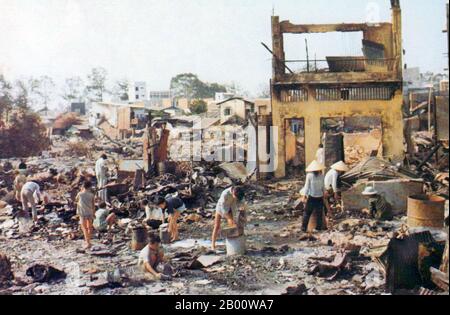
pixel 332 179
pixel 313 195
pixel 379 208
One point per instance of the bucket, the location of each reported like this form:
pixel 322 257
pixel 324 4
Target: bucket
pixel 139 240
pixel 235 246
pixel 164 234
pixel 426 211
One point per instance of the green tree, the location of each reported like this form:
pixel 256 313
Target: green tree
pixel 96 84
pixel 21 98
pixel 73 89
pixel 184 85
pixel 120 90
pixel 198 107
pixel 23 136
pixel 6 97
pixel 190 86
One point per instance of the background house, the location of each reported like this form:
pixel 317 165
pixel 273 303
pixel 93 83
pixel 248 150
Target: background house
pixel 235 107
pixel 79 108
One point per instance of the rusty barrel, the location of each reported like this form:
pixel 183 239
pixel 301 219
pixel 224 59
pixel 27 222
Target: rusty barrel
pixel 139 238
pixel 426 211
pixel 164 234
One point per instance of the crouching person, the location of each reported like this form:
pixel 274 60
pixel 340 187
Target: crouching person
pixel 229 202
pixel 30 193
pixel 154 217
pixel 174 206
pixel 152 257
pixel 104 220
pixel 379 208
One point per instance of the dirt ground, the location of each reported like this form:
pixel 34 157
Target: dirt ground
pixel 278 256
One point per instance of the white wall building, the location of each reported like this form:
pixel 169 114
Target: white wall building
pixel 137 92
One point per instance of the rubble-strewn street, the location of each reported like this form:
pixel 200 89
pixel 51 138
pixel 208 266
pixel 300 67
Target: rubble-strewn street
pixel 332 180
pixel 279 256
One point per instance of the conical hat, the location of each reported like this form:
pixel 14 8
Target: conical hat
pixel 315 167
pixel 340 167
pixel 369 191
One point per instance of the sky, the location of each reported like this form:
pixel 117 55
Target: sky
pixel 219 40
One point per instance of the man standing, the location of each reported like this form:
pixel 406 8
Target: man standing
pixel 332 189
pixel 30 190
pixel 102 178
pixel 313 195
pixel 227 207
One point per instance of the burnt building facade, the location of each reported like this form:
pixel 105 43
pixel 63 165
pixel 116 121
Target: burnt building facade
pixel 366 86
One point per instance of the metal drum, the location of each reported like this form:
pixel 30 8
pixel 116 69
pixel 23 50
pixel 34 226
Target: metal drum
pixel 426 211
pixel 140 238
pixel 164 234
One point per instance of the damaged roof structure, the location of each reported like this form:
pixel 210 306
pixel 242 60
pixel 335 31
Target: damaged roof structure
pixel 370 85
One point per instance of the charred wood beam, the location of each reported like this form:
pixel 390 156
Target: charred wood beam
pixel 278 59
pixel 288 27
pixel 429 156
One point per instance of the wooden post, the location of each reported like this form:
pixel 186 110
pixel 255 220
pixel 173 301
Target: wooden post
pixel 429 109
pixel 258 175
pixel 444 266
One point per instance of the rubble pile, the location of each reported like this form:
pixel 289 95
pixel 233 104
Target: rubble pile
pixel 351 257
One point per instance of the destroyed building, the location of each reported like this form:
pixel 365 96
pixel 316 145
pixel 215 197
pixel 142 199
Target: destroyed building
pixel 118 120
pixel 366 86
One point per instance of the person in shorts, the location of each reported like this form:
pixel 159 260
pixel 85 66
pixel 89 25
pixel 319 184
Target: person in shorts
pixel 174 206
pixel 85 201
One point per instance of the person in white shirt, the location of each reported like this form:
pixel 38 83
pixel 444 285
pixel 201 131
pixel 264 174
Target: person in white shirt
pixel 314 195
pixel 332 180
pixel 320 155
pixel 102 178
pixel 227 207
pixel 30 191
pixel 154 216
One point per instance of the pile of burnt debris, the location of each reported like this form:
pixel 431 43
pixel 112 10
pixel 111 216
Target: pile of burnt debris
pixel 356 255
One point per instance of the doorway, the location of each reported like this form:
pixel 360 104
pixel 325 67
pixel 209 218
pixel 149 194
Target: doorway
pixel 295 146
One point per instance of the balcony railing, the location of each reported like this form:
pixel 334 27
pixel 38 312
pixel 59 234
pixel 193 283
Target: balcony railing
pixel 341 64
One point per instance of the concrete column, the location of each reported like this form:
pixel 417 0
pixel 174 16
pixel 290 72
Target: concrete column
pixel 278 121
pixel 312 137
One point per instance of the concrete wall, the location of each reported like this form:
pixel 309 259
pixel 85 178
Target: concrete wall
pixel 237 108
pixel 396 193
pixel 312 111
pixel 109 112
